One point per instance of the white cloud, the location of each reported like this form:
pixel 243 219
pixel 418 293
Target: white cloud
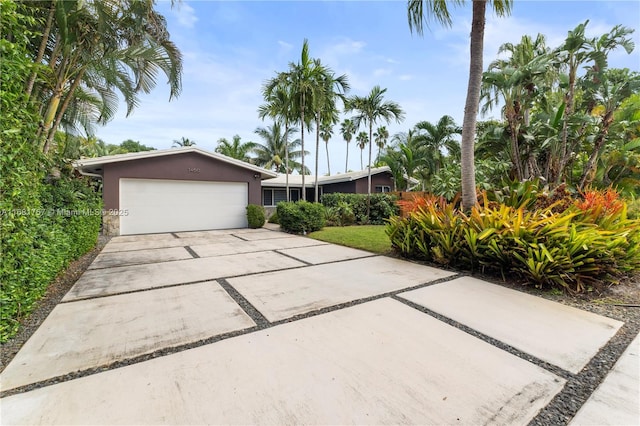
pixel 334 54
pixel 405 77
pixel 379 72
pixel 285 46
pixel 185 14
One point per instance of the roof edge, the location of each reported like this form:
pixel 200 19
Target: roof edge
pixel 84 163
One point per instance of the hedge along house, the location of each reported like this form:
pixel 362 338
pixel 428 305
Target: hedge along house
pixel 173 190
pixel 274 190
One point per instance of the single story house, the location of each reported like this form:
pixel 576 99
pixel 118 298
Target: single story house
pixel 274 190
pixel 173 190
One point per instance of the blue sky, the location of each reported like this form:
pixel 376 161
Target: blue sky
pixel 230 48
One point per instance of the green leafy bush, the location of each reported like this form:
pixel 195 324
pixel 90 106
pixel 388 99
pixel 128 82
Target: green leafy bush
pixel 63 225
pixel 383 206
pixel 255 216
pixel 340 215
pixel 573 249
pixel 44 223
pixel 301 217
pixel 274 218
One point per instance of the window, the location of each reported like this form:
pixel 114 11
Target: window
pixel 382 188
pixel 271 196
pixel 267 197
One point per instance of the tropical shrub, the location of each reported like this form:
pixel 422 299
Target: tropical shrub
pixel 274 218
pixel 301 217
pixel 45 234
pixel 383 206
pixel 575 249
pixel 45 222
pixel 340 215
pixel 255 216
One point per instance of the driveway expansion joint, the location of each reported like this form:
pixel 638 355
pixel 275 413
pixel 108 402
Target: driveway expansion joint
pixel 487 339
pixel 126 362
pixel 255 315
pixel 360 301
pixel 294 258
pixel 246 306
pixel 141 290
pixel 191 252
pixel 581 386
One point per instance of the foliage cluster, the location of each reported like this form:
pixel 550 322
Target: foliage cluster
pixel 45 221
pixel 301 217
pixel 383 206
pixel 340 215
pixel 45 225
pixel 567 117
pixel 255 216
pixel 582 247
pixel 274 218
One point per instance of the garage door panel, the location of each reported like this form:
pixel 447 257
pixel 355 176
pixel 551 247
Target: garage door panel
pixel 155 205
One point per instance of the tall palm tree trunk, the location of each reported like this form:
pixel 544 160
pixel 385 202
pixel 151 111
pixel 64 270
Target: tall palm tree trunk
pixel 346 163
pixel 587 173
pixel 326 145
pixel 369 172
pixel 61 110
pixel 469 197
pixel 304 192
pixel 286 158
pixel 41 48
pixel 315 198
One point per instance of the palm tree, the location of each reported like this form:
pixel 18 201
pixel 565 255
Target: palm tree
pixel 381 136
pixel 279 106
pixel 421 11
pixel 93 49
pixel 270 153
pixel 615 86
pixel 436 137
pixel 324 106
pixel 514 82
pixel 406 157
pixel 347 129
pixel 304 81
pixel 362 139
pixel 571 56
pixel 370 109
pixel 326 131
pixel 236 148
pixel 183 142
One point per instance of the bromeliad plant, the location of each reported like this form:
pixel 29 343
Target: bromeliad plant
pixel 576 248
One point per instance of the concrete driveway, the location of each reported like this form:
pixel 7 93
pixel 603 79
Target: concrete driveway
pixel 262 327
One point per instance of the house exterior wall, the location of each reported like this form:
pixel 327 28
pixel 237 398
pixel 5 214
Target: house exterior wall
pixel 378 179
pixel 344 187
pixel 187 166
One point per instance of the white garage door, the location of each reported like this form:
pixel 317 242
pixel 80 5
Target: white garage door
pixel 152 205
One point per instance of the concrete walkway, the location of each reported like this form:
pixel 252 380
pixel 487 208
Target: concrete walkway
pixel 261 327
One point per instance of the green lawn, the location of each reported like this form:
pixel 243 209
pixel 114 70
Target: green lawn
pixel 366 237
